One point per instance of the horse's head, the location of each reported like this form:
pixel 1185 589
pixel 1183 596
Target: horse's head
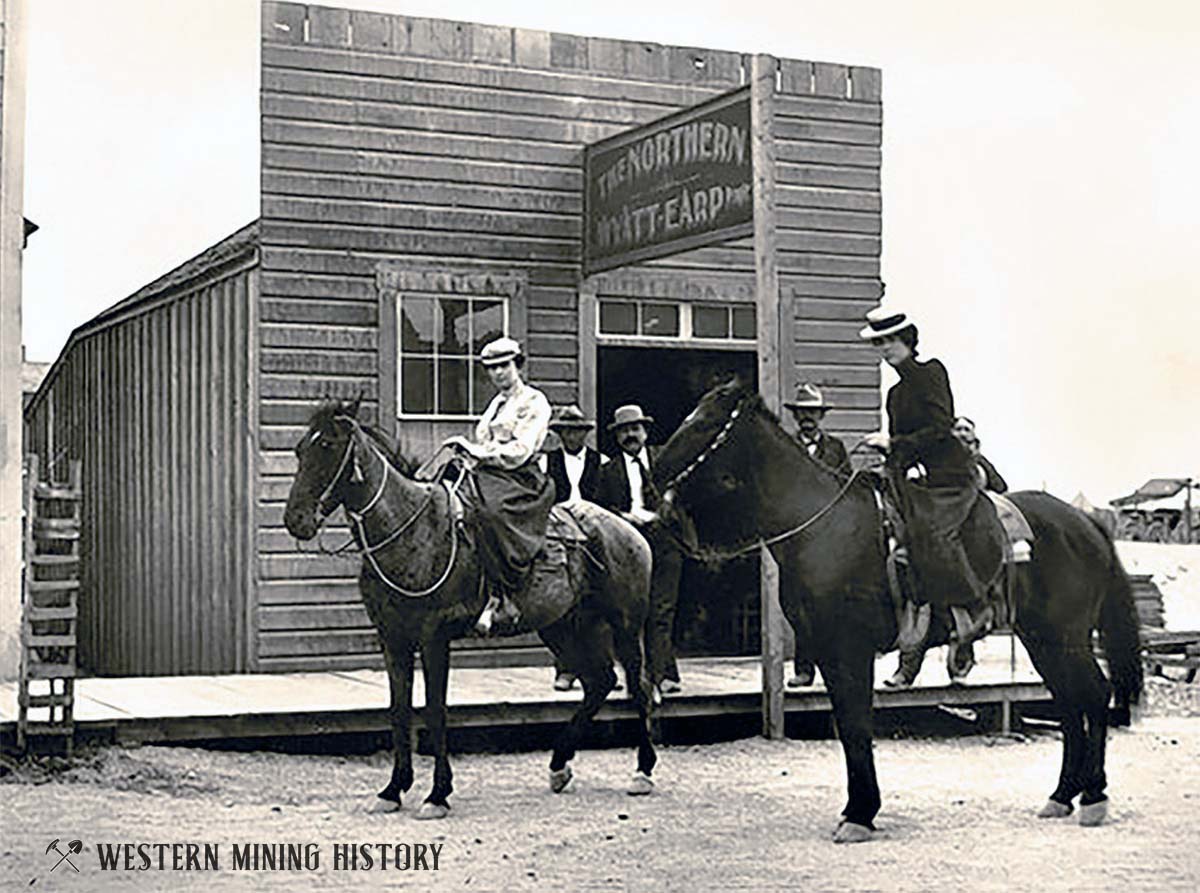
pixel 326 463
pixel 704 466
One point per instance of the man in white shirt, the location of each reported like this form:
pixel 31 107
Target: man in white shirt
pixel 626 487
pixel 572 464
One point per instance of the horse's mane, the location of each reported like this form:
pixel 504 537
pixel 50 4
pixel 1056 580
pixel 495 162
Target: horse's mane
pixel 330 409
pixel 755 402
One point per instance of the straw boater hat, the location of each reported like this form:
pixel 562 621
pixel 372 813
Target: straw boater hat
pixel 569 417
pixel 882 322
pixel 501 351
pixel 630 414
pixel 808 396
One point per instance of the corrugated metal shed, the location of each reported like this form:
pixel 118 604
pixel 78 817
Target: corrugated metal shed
pixel 154 396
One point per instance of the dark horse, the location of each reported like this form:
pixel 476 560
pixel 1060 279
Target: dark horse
pixel 743 479
pixel 420 582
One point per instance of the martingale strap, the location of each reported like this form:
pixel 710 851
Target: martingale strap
pixel 358 518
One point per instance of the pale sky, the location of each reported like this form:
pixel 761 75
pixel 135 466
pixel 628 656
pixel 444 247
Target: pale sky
pixel 1040 186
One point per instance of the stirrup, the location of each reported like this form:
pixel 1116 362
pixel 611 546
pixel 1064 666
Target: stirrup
pixel 912 625
pixel 968 629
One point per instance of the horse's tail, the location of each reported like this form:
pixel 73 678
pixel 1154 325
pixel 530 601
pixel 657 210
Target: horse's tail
pixel 1119 635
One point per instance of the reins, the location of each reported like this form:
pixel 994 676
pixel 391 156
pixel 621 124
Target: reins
pixel 358 518
pixel 718 555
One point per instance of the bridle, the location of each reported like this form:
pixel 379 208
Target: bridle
pixel 717 555
pixel 358 516
pixel 714 445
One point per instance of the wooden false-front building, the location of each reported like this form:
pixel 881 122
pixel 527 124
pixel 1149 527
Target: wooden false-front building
pixel 422 194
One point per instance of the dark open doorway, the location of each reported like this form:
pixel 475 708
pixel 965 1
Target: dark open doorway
pixel 718 609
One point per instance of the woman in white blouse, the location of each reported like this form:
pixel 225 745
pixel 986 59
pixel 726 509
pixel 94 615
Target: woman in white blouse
pixel 515 495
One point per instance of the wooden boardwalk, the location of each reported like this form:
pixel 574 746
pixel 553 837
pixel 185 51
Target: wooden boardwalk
pixel 182 708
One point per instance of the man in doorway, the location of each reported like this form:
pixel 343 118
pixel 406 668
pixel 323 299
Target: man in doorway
pixel 808 409
pixel 574 467
pixel 626 487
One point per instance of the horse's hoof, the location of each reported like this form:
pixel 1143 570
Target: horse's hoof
pixel 851 832
pixel 1055 810
pixel 1093 814
pixel 432 811
pixel 560 778
pixel 641 785
pixel 380 805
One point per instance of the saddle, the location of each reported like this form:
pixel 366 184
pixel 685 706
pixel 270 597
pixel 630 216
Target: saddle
pixel 913 612
pixel 547 593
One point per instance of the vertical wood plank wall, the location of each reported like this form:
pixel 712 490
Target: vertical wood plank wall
pixel 157 405
pixel 409 140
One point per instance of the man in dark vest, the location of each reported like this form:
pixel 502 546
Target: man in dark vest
pixel 574 467
pixel 808 409
pixel 626 487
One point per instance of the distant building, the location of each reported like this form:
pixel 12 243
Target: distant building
pixel 32 374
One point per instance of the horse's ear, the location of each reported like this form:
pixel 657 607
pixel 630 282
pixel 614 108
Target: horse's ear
pixel 352 408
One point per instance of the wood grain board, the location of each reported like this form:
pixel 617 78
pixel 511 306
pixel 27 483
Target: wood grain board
pixel 400 140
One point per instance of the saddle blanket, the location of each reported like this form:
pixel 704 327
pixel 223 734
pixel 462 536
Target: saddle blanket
pixel 1014 521
pixel 563 523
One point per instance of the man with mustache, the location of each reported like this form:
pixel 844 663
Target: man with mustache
pixel 808 409
pixel 626 487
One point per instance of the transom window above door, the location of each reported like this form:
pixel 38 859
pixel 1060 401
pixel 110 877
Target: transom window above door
pixel 700 320
pixel 439 339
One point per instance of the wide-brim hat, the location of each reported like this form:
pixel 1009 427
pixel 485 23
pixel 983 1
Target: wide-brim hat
pixel 630 414
pixel 500 351
pixel 569 417
pixel 882 322
pixel 808 396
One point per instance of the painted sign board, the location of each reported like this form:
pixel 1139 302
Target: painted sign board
pixel 682 182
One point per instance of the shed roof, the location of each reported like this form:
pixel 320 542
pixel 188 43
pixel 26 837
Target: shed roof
pixel 232 247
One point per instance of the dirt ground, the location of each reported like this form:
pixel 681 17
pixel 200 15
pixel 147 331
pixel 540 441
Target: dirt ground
pixel 958 814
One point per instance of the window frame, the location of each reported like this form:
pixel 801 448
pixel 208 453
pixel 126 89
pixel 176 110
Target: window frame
pixel 394 281
pixel 434 357
pixel 686 326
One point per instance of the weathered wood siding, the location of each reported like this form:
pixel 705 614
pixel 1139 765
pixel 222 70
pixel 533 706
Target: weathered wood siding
pixel 433 143
pixel 154 397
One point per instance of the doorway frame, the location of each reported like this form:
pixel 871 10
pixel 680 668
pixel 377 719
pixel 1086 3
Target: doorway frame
pixel 670 287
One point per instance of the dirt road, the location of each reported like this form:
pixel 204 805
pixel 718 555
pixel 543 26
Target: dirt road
pixel 749 815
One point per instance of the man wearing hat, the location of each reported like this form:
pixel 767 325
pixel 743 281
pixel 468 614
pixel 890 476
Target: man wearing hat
pixel 626 487
pixel 573 465
pixel 808 409
pixel 575 469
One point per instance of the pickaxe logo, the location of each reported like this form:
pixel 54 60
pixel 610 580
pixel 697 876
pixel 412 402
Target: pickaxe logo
pixel 73 849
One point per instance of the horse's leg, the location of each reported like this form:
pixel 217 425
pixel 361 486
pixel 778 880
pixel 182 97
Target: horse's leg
pixel 1095 692
pixel 848 667
pixel 435 661
pixel 399 658
pixel 627 641
pixel 1047 658
pixel 583 645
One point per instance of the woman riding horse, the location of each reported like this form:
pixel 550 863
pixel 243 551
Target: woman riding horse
pixel 515 495
pixel 951 553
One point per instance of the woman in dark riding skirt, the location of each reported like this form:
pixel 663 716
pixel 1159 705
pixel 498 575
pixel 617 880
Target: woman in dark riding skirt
pixel 951 551
pixel 515 496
